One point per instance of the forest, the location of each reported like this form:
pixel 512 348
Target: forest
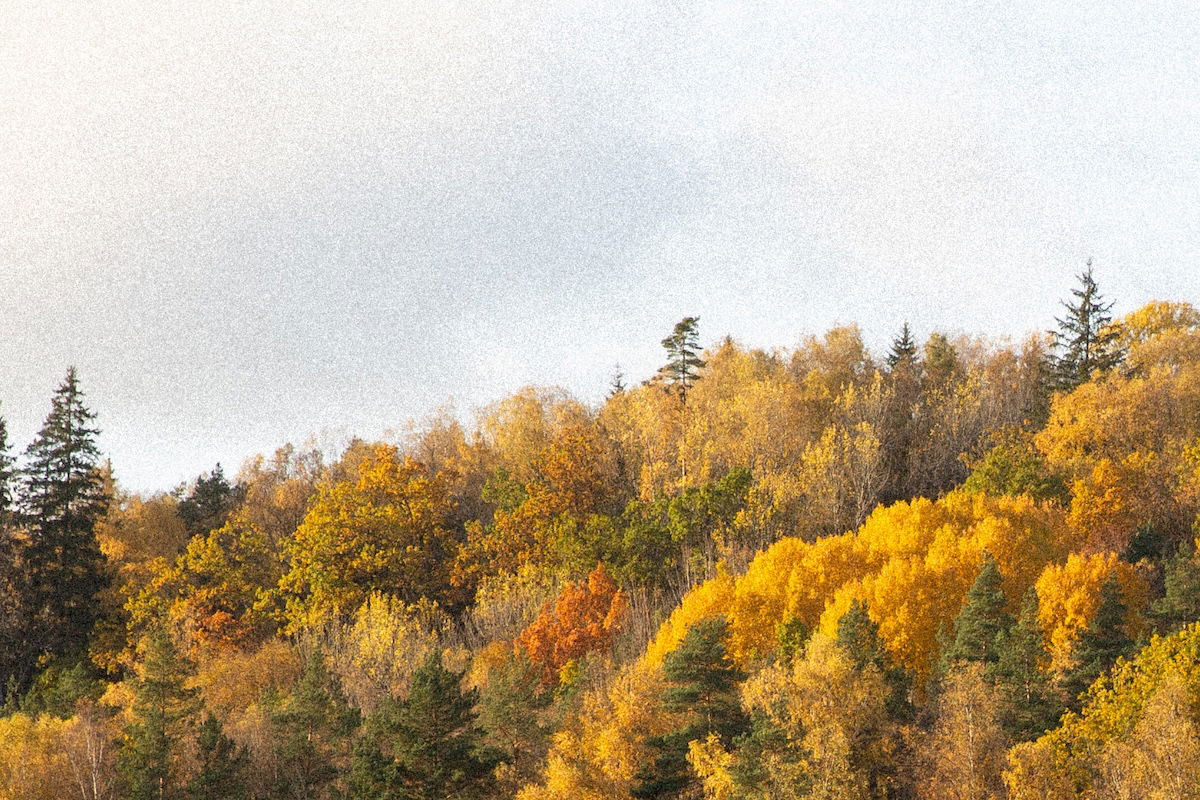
pixel 963 568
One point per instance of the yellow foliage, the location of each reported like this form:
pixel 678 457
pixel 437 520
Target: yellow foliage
pixel 1069 594
pixel 33 762
pixel 231 681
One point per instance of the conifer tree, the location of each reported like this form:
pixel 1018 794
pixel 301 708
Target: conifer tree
pixel 14 613
pixel 683 355
pixel 1180 603
pixel 222 765
pixel 1100 644
pixel 312 733
pixel 858 637
pixel 904 350
pixel 982 620
pixel 62 499
pixel 703 688
pixel 8 475
pixel 1085 341
pixel 426 746
pixel 209 502
pixel 163 704
pixel 1030 704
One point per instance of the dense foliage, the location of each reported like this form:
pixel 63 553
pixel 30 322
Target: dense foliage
pixel 961 569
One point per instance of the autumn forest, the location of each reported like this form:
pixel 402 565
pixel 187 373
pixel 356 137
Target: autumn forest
pixel 961 568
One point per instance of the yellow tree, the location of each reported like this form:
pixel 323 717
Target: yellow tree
pixel 384 530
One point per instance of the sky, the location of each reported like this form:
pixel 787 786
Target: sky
pixel 252 223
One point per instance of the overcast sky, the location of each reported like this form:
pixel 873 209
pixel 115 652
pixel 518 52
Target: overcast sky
pixel 246 223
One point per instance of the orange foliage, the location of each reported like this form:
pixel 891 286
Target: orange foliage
pixel 583 618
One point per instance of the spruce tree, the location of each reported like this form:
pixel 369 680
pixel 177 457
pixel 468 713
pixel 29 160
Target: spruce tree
pixel 982 619
pixel 1100 644
pixel 703 685
pixel 15 656
pixel 858 637
pixel 904 350
pixel 1085 341
pixel 426 746
pixel 62 499
pixel 209 502
pixel 312 733
pixel 162 707
pixel 222 765
pixel 683 356
pixel 1031 706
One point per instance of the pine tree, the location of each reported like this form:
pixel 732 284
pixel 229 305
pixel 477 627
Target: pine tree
pixel 1100 644
pixel 899 434
pixel 982 619
pixel 1085 341
pixel 858 636
pixel 15 661
pixel 162 706
pixel 8 476
pixel 63 497
pixel 222 765
pixel 703 688
pixel 1030 704
pixel 426 746
pixel 683 355
pixel 312 733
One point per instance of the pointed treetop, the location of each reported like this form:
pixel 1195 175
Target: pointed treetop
pixel 904 349
pixel 683 355
pixel 1086 340
pixel 983 617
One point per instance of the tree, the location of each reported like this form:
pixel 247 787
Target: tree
pixel 1085 341
pixel 220 774
pixel 966 748
pixel 702 689
pixel 209 502
pixel 426 746
pixel 683 355
pixel 1100 644
pixel 312 731
pixel 983 618
pixel 904 350
pixel 62 499
pixel 1030 706
pixel 1180 603
pixel 858 636
pixel 162 707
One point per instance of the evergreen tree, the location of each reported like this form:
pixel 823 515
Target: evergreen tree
pixel 1085 341
pixel 904 350
pixel 942 364
pixel 312 733
pixel 982 620
pixel 1100 644
pixel 15 661
pixel 683 355
pixel 162 706
pixel 222 765
pixel 8 476
pixel 1030 706
pixel 703 688
pixel 209 502
pixel 63 497
pixel 425 747
pixel 1180 603
pixel 858 636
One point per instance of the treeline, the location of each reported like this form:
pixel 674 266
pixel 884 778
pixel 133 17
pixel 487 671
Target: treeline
pixel 798 573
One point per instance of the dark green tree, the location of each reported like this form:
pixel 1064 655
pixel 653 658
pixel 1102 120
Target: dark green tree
pixel 312 728
pixel 982 620
pixel 1014 467
pixel 426 746
pixel 63 496
pixel 858 636
pixel 207 505
pixel 1180 603
pixel 163 705
pixel 1031 703
pixel 1100 644
pixel 222 765
pixel 1086 341
pixel 683 356
pixel 703 684
pixel 15 663
pixel 8 476
pixel 904 350
pixel 511 714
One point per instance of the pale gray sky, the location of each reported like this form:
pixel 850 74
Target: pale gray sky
pixel 249 222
